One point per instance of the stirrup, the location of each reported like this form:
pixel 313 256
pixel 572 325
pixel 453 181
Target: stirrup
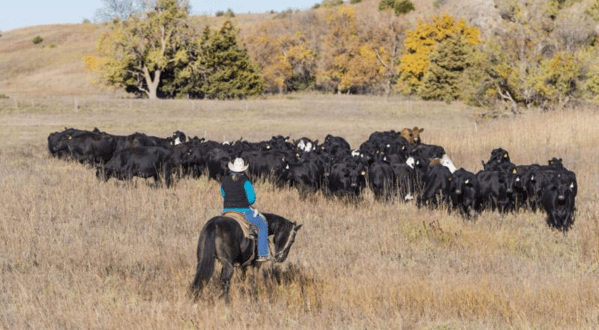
pixel 263 259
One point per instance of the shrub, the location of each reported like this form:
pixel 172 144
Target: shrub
pixel 403 7
pixel 353 2
pixel 283 14
pixel 331 3
pixel 37 39
pixel 219 13
pixel 384 4
pixel 3 96
pixel 229 13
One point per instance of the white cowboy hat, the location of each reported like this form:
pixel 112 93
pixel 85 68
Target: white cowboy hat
pixel 238 165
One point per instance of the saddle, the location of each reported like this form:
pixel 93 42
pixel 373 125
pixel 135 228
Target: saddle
pixel 249 230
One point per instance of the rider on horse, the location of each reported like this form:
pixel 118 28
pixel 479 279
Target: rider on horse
pixel 239 195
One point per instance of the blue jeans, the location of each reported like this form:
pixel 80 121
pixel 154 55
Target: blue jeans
pixel 262 225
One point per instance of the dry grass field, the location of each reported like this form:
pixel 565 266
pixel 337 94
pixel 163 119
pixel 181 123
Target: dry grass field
pixel 80 254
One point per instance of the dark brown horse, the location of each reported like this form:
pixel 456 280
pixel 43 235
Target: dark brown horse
pixel 222 239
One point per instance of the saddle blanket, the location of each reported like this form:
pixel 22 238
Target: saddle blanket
pixel 245 225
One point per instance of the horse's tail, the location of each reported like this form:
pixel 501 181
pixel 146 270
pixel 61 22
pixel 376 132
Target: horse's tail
pixel 206 258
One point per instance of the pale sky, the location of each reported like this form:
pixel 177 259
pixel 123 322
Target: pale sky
pixel 20 13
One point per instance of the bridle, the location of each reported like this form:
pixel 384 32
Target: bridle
pixel 290 241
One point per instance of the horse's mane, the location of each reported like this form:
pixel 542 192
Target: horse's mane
pixel 277 223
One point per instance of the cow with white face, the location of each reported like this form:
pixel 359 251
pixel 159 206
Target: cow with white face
pixel 305 144
pixel 178 138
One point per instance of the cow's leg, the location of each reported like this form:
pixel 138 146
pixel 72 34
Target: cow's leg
pixel 168 175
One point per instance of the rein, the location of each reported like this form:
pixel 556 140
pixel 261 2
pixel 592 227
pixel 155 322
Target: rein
pixel 290 241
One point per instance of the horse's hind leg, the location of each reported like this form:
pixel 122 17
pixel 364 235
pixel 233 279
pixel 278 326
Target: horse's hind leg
pixel 225 279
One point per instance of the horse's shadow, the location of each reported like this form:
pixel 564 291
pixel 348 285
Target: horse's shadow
pixel 270 279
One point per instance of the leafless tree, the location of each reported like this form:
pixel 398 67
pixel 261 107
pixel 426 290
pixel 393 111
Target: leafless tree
pixel 120 9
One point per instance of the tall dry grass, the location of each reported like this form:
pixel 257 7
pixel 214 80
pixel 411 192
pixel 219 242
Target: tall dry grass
pixel 77 253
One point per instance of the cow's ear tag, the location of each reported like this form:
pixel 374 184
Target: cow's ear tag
pixel 514 170
pixel 505 155
pixel 449 178
pixel 363 173
pixel 467 181
pixel 68 137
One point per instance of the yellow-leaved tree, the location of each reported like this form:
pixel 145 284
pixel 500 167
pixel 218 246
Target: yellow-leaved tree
pixel 422 41
pixel 351 64
pixel 287 63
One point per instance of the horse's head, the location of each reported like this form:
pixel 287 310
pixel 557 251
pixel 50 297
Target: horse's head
pixel 284 240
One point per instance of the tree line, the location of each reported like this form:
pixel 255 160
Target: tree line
pixel 544 53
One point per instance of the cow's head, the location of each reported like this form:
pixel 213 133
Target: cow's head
pixel 178 138
pixel 463 182
pixel 407 134
pixel 555 162
pixel 416 133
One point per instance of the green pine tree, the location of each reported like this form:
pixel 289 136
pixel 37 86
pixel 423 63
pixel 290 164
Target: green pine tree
pixel 226 67
pixel 448 63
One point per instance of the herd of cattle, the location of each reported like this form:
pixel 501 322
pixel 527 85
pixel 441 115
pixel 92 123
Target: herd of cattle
pixel 395 165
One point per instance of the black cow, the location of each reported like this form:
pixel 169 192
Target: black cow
pixel 538 177
pixel 381 179
pixel 306 174
pixel 217 160
pixel 144 162
pixel 519 195
pixel 499 161
pixel 334 145
pixel 346 179
pixel 56 140
pixel 405 177
pixel 390 143
pixel 436 187
pixel 464 192
pixel 189 157
pixel 427 151
pixel 84 146
pixel 420 166
pixel 555 162
pixel 558 200
pixel 281 143
pixel 263 164
pixel 495 190
pixel 142 140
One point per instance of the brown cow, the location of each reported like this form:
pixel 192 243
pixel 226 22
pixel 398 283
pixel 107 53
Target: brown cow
pixel 412 134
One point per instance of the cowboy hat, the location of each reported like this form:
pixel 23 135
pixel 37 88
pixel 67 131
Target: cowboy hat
pixel 238 165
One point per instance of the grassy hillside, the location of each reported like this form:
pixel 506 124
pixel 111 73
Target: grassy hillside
pixel 78 253
pixel 55 66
